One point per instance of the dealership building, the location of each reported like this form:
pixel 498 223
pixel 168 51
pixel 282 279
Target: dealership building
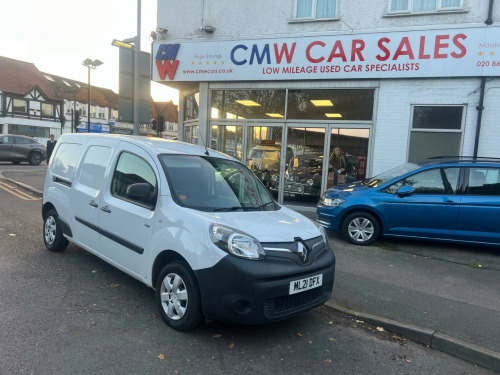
pixel 279 84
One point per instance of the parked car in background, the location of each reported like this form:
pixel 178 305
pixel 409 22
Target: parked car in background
pixel 264 162
pixel 303 176
pixel 19 148
pixel 448 199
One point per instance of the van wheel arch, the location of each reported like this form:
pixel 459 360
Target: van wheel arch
pixel 162 259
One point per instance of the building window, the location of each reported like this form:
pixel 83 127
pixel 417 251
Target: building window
pixel 248 104
pixel 20 106
pixel 32 131
pixel 114 113
pixel 418 6
pixel 47 110
pixel 315 9
pixel 93 111
pixel 333 105
pixel 435 131
pixel 102 113
pixel 191 106
pixel 83 109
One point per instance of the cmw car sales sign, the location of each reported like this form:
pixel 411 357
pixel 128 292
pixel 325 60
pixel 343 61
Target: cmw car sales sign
pixel 413 54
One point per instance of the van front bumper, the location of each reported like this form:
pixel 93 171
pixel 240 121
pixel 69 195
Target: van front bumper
pixel 254 292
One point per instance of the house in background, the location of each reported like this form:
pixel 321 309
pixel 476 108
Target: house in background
pixel 38 104
pixel 29 105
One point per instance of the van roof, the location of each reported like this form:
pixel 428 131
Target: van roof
pixel 155 145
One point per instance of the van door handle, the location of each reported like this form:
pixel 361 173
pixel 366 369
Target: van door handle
pixel 93 203
pixel 106 209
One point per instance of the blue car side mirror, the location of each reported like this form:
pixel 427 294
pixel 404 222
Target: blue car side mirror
pixel 405 190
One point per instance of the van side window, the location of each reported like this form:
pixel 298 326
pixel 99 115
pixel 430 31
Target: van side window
pixel 64 162
pixel 94 166
pixel 134 180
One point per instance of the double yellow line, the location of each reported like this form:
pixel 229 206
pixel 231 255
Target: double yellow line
pixel 18 193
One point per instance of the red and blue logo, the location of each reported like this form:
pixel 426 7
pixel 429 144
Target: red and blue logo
pixel 165 60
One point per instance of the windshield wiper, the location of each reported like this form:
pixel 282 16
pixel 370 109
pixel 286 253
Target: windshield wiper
pixel 228 209
pixel 259 208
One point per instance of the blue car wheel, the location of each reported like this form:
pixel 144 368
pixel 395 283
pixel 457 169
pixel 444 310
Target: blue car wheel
pixel 360 228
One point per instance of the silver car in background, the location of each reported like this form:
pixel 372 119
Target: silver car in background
pixel 19 148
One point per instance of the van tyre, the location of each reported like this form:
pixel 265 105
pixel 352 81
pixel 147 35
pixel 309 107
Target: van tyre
pixel 178 297
pixel 35 158
pixel 361 228
pixel 52 232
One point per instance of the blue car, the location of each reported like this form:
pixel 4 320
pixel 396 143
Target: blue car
pixel 447 199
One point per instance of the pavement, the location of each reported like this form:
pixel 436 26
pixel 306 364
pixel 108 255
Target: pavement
pixel 443 296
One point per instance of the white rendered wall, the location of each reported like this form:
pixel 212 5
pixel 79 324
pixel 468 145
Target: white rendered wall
pixel 235 19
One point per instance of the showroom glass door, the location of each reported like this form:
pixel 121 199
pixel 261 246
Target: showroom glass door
pixel 348 155
pixel 304 166
pixel 227 139
pixel 264 154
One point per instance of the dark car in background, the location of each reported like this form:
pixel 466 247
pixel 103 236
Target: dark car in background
pixel 19 148
pixel 453 199
pixel 303 176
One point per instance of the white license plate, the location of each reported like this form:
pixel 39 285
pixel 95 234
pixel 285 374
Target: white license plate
pixel 302 285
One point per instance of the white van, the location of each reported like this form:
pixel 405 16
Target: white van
pixel 194 224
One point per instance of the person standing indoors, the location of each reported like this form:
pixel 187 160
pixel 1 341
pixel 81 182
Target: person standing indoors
pixel 338 165
pixel 51 143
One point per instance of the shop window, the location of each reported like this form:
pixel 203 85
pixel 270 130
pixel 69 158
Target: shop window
pixel 248 104
pixel 419 6
pixel 32 131
pixel 330 104
pixel 436 131
pixel 20 106
pixel 47 110
pixel 191 106
pixel 190 134
pixel 315 9
pixel 228 139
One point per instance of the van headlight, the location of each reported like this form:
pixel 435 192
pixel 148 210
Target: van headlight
pixel 330 202
pixel 323 234
pixel 236 243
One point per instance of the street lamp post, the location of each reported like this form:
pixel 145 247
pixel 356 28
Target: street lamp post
pixel 89 63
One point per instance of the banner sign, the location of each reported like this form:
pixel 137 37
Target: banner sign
pixel 470 52
pixel 94 128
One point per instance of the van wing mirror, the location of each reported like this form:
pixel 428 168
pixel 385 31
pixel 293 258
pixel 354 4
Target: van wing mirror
pixel 139 192
pixel 405 190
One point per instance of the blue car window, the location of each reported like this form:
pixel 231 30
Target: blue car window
pixel 434 181
pixel 484 181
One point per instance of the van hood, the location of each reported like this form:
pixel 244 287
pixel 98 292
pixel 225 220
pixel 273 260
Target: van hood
pixel 267 226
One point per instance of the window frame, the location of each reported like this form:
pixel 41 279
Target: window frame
pixel 435 130
pixel 439 8
pixel 314 7
pixel 150 206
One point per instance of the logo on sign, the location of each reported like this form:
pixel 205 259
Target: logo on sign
pixel 166 62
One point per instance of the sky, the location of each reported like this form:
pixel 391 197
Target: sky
pixel 57 35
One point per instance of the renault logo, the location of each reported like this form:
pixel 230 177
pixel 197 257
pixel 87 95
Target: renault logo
pixel 302 251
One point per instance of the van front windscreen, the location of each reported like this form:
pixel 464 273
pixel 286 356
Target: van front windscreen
pixel 213 184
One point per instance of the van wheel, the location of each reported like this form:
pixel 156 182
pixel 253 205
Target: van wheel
pixel 360 228
pixel 35 158
pixel 52 233
pixel 178 297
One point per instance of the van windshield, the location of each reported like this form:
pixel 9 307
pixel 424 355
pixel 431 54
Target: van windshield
pixel 215 185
